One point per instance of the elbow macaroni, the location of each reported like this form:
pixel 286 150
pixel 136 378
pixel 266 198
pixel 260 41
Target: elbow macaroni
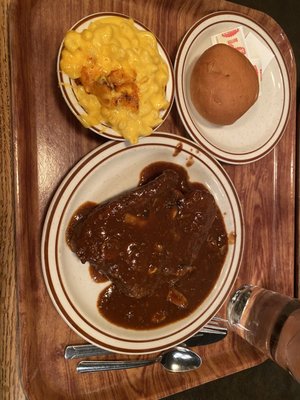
pixel 114 44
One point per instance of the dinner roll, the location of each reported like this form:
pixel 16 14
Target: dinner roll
pixel 224 84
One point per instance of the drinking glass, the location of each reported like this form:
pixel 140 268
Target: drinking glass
pixel 269 321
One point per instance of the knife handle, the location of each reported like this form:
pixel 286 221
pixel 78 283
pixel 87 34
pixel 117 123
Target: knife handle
pixel 199 339
pixel 84 350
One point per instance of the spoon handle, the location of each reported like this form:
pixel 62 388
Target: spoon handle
pixel 95 366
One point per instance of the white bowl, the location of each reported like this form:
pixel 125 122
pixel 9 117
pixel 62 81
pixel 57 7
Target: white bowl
pixel 107 171
pixel 256 133
pixel 67 84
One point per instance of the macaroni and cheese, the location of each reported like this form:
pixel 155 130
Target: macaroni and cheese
pixel 120 77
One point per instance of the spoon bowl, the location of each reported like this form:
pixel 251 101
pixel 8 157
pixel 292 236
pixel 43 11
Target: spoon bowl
pixel 180 359
pixel 177 359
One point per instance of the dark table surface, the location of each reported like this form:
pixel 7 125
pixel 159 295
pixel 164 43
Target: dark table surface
pixel 266 381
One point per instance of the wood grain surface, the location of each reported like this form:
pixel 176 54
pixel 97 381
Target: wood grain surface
pixel 43 128
pixel 10 386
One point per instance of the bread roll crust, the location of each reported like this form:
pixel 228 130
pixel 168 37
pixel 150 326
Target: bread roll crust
pixel 224 84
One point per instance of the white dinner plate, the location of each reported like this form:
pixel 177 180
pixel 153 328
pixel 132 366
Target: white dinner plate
pixel 256 133
pixel 105 172
pixel 67 84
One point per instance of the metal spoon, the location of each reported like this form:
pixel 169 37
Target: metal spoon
pixel 178 359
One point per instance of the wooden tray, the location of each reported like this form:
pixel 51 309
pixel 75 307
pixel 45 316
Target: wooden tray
pixel 48 141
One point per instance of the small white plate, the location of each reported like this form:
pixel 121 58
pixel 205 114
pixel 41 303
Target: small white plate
pixel 105 172
pixel 253 135
pixel 67 84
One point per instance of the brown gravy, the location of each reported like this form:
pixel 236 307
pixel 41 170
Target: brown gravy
pixel 162 246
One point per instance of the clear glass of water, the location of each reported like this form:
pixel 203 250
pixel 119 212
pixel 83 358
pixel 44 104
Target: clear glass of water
pixel 270 322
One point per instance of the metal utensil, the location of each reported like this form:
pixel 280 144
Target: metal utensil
pixel 214 331
pixel 178 359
